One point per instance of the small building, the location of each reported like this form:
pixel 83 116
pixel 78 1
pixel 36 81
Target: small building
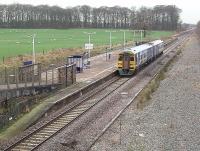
pixel 78 60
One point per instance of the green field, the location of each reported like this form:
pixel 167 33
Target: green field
pixel 15 42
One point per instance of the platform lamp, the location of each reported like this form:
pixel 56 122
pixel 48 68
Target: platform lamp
pixel 33 47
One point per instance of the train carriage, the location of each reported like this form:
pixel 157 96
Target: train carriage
pixel 134 58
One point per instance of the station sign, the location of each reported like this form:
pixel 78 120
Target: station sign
pixel 88 46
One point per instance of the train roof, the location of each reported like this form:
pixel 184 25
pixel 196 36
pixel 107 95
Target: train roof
pixel 156 42
pixel 144 46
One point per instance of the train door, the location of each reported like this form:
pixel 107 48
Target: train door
pixel 139 59
pixel 154 51
pixel 126 61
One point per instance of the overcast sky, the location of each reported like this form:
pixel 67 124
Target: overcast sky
pixel 190 8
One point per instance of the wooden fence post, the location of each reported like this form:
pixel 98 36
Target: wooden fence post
pixel 33 75
pixel 39 73
pixel 25 79
pixel 52 75
pixel 17 77
pixel 72 73
pixel 7 78
pixel 66 74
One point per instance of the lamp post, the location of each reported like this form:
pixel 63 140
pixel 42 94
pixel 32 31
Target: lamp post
pixel 9 80
pixel 34 35
pixel 89 41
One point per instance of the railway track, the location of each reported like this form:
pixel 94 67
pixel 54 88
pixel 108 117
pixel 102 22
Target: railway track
pixel 166 51
pixel 42 134
pixel 39 136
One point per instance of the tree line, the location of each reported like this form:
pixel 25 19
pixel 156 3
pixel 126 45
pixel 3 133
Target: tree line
pixel 160 17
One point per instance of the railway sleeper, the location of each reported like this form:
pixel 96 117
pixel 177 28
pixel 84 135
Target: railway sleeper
pixel 34 140
pixel 20 149
pixel 62 123
pixel 15 149
pixel 39 136
pixel 82 108
pixel 91 101
pixel 29 144
pixel 71 116
pixel 45 133
pixel 87 104
pixel 76 112
pixel 73 112
pixel 115 84
pixel 51 129
pixel 23 148
pixel 64 120
pixel 54 127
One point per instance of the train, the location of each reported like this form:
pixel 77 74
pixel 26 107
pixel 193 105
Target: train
pixel 134 58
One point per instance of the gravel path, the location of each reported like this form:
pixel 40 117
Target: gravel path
pixel 171 121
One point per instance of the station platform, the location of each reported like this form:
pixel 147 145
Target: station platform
pixel 99 67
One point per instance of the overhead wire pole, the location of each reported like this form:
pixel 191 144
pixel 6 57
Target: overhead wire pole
pixel 134 35
pixel 124 37
pixel 110 37
pixel 141 35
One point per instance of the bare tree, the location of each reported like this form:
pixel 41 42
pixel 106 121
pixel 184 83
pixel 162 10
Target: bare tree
pixel 161 17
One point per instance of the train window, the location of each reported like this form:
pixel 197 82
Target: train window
pixel 132 58
pixel 120 58
pixel 126 58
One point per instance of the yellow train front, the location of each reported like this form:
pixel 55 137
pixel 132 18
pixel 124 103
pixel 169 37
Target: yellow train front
pixel 126 63
pixel 135 58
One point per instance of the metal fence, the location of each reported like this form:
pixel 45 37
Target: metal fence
pixel 24 80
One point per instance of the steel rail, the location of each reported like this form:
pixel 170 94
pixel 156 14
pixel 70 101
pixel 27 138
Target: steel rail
pixel 39 136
